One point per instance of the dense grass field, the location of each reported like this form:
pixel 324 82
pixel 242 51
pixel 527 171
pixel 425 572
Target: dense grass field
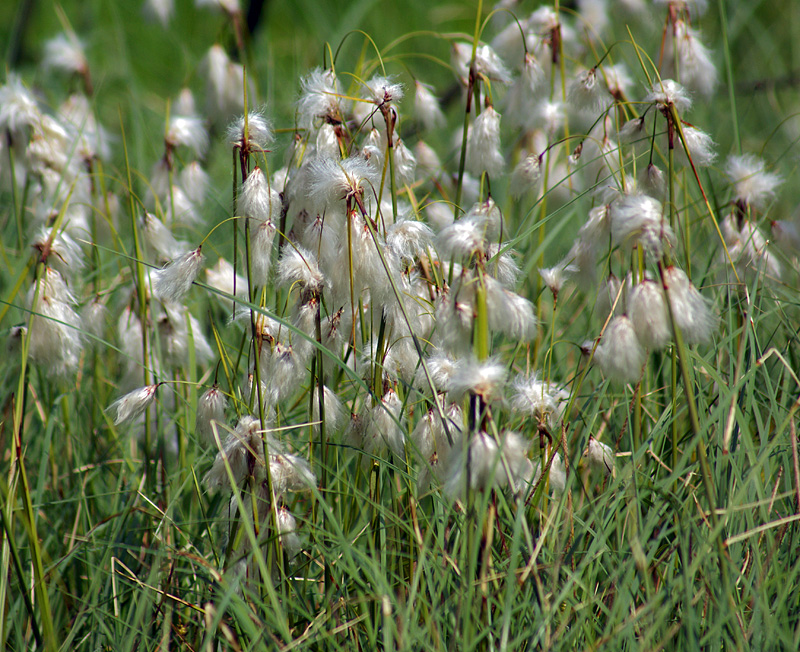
pixel 400 326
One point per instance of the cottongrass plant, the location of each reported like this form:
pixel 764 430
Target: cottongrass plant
pixel 499 359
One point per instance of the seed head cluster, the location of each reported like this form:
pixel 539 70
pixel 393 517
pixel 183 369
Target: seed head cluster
pixel 400 264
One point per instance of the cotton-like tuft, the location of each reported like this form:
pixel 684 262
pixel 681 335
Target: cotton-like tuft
pixel 426 107
pixel 253 133
pixel 649 313
pixel 174 281
pixel 620 355
pixel 485 378
pixel 319 98
pixel 690 309
pixel 483 145
pixel 297 265
pixel 133 404
pixel 188 131
pixel 753 185
pixel 667 92
pixel 489 463
pixel 526 176
pixel 638 219
pixel 210 410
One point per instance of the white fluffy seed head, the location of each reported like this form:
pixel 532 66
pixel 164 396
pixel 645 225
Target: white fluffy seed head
pixel 634 131
pixel 617 79
pixel 160 238
pixel 523 93
pixel 690 310
pixel 319 98
pixel 489 63
pixel 287 525
pixel 700 147
pixel 620 354
pixel 509 313
pixel 401 360
pixel 526 176
pixel 696 69
pixel 787 235
pixel 694 7
pixel 489 212
pixel 224 85
pixel 210 410
pixel 427 159
pixel 383 90
pixel 177 330
pixel 442 368
pixel 587 92
pixel 180 208
pixel 298 265
pixel 460 57
pixel 95 316
pixel 599 456
pixel 387 419
pixel 480 378
pixel 638 219
pixel 654 182
pixel 65 52
pixel 290 473
pixel 463 238
pixel 262 236
pixel 379 427
pixel 285 371
pixel 556 477
pixel 455 312
pixel 332 181
pixel 552 116
pixel 555 277
pixel 649 314
pixel 422 436
pixel 433 440
pixel 543 400
pixel 483 145
pixel 184 103
pixel 253 133
pixel 488 463
pixel 502 266
pixel 242 452
pixel 18 107
pixel 55 287
pixel 409 238
pixel 64 255
pixel 668 92
pixel 426 107
pixel 160 10
pixel 175 280
pixel 49 148
pixel 55 330
pixel 748 249
pixel 257 199
pixel 78 115
pixel 229 6
pixel 753 184
pixel 405 165
pixel 195 182
pixel 187 131
pixel 132 404
pixel 335 412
